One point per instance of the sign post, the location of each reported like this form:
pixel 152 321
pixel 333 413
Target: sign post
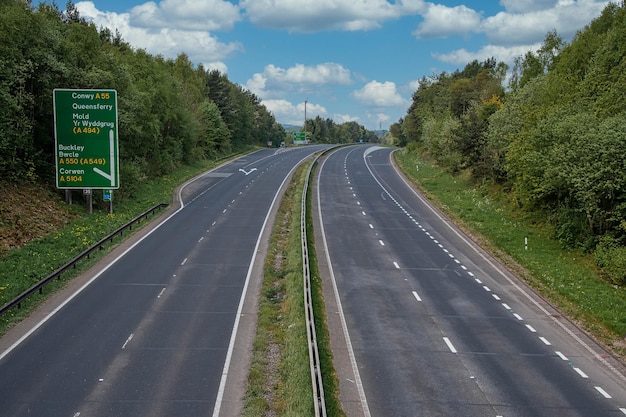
pixel 86 139
pixel 107 197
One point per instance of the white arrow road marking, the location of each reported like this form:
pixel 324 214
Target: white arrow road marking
pixel 246 173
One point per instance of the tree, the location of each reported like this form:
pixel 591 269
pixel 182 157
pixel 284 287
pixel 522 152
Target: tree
pixel 215 136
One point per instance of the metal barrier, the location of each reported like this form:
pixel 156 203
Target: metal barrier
pixel 314 359
pixel 17 301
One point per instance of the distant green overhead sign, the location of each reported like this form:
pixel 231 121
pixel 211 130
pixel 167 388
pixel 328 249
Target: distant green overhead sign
pixel 86 140
pixel 298 136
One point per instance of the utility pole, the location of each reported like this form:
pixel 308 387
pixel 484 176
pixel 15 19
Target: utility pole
pixel 304 127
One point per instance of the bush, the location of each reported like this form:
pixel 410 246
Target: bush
pixel 611 257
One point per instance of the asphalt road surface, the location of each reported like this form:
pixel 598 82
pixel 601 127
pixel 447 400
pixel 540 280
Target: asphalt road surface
pixel 432 325
pixel 152 334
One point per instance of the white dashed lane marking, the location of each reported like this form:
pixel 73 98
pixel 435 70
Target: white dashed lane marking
pixel 485 287
pixel 449 344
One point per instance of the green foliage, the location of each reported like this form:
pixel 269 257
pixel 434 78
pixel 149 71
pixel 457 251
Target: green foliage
pixel 215 136
pixel 280 378
pixel 565 276
pixel 450 113
pixel 162 103
pixel 532 64
pixel 611 257
pixel 327 131
pixel 555 142
pixel 68 230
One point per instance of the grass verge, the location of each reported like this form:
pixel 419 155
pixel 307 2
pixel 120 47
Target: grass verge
pixel 567 278
pixel 279 382
pixel 23 267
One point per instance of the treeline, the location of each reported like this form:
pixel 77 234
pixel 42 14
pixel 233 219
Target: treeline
pixel 554 140
pixel 170 111
pixel 327 131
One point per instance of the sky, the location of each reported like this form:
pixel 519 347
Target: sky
pixel 346 60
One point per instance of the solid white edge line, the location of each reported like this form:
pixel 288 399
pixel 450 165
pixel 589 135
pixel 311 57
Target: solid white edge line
pixel 342 318
pixel 81 289
pixel 233 336
pixel 450 345
pixel 109 265
pixel 472 246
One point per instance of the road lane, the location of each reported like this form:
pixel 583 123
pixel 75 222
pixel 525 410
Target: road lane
pixel 150 335
pixel 436 328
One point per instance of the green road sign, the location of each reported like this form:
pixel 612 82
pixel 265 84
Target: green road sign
pixel 297 136
pixel 86 141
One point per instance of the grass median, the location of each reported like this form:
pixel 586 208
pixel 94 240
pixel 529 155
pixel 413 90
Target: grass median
pixel 279 382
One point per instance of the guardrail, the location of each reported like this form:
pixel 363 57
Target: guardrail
pixel 17 301
pixel 316 371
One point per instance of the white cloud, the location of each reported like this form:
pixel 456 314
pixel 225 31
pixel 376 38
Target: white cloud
pixel 522 27
pixel 375 94
pixel 321 74
pixel 382 117
pixel 442 21
pixel 501 53
pixel 220 66
pixel 379 119
pixel 289 113
pixel 344 118
pixel 201 15
pixel 320 15
pixel 275 81
pixel 415 84
pixel 200 46
pixel 567 16
pixel 522 22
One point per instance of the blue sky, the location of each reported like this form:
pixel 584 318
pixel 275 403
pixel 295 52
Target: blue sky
pixel 349 59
